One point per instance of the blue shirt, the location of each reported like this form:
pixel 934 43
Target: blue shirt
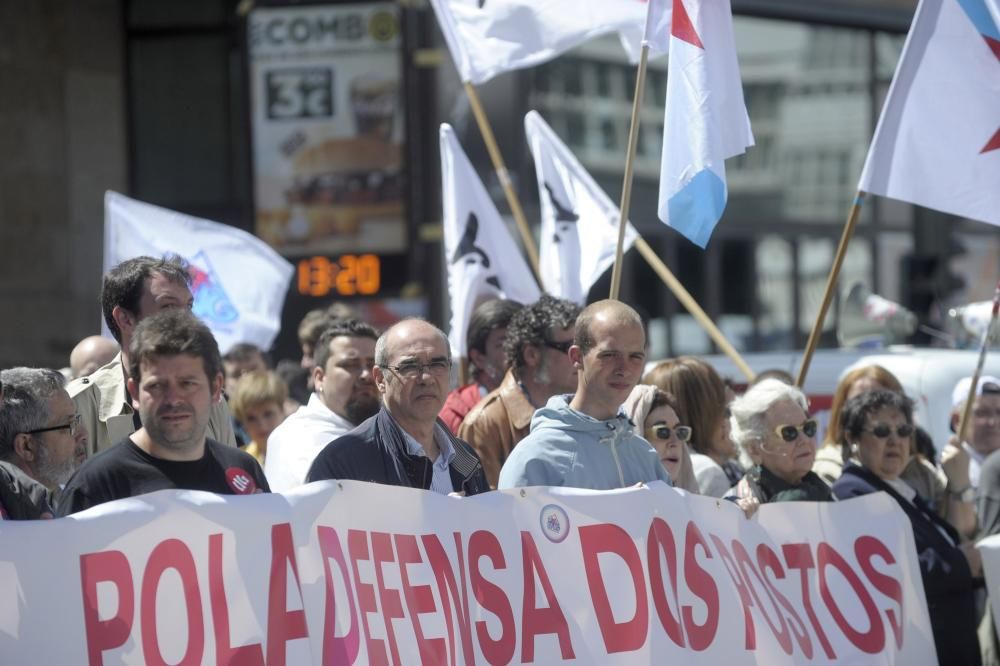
pixel 441 478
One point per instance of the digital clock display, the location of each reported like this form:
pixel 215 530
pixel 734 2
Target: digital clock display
pixel 346 275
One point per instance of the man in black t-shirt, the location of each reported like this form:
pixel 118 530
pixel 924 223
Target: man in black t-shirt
pixel 175 378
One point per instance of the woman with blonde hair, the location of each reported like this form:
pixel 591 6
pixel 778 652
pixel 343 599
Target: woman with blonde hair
pixel 700 396
pixel 654 413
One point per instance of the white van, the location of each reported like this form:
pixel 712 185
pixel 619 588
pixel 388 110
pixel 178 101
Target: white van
pixel 927 375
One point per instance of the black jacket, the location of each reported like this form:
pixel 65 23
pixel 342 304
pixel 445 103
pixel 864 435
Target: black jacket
pixel 948 582
pixel 21 497
pixel 375 451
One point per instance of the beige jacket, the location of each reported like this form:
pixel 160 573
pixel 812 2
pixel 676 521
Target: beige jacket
pixel 106 409
pixel 497 424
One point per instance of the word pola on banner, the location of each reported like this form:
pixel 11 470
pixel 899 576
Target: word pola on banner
pixel 636 576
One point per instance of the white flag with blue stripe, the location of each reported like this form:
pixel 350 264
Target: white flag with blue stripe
pixel 705 120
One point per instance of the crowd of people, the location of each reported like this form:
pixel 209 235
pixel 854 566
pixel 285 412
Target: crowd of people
pixel 559 396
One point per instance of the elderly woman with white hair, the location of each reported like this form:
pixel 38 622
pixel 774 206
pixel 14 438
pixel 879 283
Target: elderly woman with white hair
pixel 772 423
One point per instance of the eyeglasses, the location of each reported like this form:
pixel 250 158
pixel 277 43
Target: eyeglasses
pixel 562 347
pixel 663 432
pixel 73 426
pixel 790 433
pixel 986 413
pixel 883 430
pixel 413 369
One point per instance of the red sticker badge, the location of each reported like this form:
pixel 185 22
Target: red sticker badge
pixel 240 481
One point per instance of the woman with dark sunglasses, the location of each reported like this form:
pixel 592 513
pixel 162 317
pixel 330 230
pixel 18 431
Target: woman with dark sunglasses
pixel 772 423
pixel 878 428
pixel 653 412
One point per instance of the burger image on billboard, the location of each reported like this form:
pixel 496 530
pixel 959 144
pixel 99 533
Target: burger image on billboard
pixel 340 183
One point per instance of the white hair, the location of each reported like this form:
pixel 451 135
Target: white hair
pixel 749 411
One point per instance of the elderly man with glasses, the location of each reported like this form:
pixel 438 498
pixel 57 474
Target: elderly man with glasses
pixel 405 444
pixel 40 432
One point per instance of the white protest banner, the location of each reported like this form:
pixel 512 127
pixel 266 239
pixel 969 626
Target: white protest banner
pixel 489 37
pixel 989 549
pixel 352 573
pixel 579 231
pixel 238 282
pixel 482 258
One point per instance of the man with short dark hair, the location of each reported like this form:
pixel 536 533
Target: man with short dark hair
pixel 133 290
pixel 585 440
pixel 485 340
pixel 40 433
pixel 242 359
pixel 538 339
pixel 405 444
pixel 343 396
pixel 175 377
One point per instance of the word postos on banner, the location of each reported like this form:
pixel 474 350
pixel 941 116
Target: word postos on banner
pixel 351 573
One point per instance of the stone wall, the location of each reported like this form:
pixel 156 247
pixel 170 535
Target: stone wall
pixel 62 144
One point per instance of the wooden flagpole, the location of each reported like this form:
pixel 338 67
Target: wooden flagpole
pixel 501 170
pixel 633 138
pixel 967 412
pixel 687 300
pixel 831 284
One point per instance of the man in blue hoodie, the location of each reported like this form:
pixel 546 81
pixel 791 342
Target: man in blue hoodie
pixel 585 440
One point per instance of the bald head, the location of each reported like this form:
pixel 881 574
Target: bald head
pixel 90 354
pixel 606 312
pixel 403 332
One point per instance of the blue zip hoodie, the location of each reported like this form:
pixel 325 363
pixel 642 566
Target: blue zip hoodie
pixel 568 448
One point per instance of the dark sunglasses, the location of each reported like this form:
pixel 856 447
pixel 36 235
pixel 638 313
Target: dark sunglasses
pixel 562 347
pixel 883 430
pixel 790 433
pixel 663 432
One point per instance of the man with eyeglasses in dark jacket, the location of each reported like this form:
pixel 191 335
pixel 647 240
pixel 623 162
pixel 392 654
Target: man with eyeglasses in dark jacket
pixel 405 443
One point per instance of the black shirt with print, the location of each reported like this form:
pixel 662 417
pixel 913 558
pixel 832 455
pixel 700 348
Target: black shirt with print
pixel 125 470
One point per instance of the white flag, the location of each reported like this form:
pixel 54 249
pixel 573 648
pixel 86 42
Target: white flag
pixel 657 34
pixel 239 283
pixel 937 143
pixel 489 37
pixel 579 221
pixel 705 120
pixel 483 260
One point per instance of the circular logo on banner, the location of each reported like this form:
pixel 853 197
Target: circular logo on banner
pixel 554 523
pixel 240 481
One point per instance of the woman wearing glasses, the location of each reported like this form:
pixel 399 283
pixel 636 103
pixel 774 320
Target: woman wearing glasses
pixel 772 423
pixel 877 428
pixel 654 413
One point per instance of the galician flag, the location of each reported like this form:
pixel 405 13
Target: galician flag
pixel 937 143
pixel 705 119
pixel 238 282
pixel 579 222
pixel 483 260
pixel 489 37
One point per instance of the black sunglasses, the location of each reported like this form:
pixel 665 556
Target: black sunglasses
pixel 790 433
pixel 883 430
pixel 663 432
pixel 558 346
